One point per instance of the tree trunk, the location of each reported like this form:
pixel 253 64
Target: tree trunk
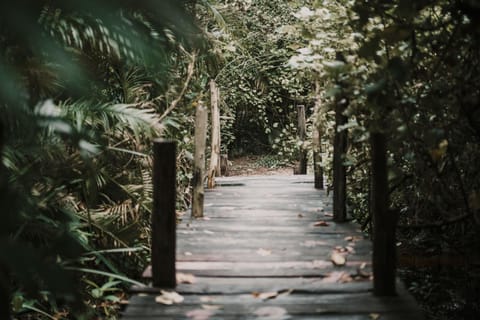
pixel 302 133
pixel 384 221
pixel 214 170
pixel 339 170
pixel 199 160
pixel 163 215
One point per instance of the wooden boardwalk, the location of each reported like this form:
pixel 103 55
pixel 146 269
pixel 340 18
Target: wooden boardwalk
pixel 264 251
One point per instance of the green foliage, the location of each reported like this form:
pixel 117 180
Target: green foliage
pixel 82 89
pixel 406 69
pixel 85 86
pixel 257 88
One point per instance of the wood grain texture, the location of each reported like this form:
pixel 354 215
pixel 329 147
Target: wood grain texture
pixel 198 192
pixel 258 236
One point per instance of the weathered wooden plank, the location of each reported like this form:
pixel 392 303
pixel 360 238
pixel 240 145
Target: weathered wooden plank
pixel 317 269
pixel 261 255
pixel 290 245
pixel 228 227
pixel 260 237
pixel 228 286
pixel 304 240
pixel 383 316
pixel 298 217
pixel 292 304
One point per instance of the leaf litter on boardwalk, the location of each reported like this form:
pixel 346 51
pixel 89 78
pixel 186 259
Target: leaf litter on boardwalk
pixel 337 277
pixel 169 298
pixel 338 259
pixel 321 223
pixel 186 278
pixel 272 294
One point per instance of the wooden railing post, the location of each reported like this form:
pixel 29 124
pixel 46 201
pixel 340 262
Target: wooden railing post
pixel 384 221
pixel 317 159
pixel 317 139
pixel 198 191
pixel 214 170
pixel 302 133
pixel 339 170
pixel 163 214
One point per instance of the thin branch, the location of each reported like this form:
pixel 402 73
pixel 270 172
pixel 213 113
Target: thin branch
pixel 190 71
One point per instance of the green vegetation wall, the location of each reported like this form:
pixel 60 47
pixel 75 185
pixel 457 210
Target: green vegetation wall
pixel 84 87
pixel 259 91
pixel 406 69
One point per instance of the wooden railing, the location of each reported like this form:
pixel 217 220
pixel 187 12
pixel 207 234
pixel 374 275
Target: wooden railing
pixel 164 218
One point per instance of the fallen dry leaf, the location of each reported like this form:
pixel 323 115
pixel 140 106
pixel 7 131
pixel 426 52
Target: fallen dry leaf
pixel 374 316
pixel 333 277
pixel 338 259
pixel 163 300
pixel 337 277
pixel 200 314
pixel 328 214
pixel 321 223
pixel 180 213
pixel 272 294
pixel 185 278
pixel 169 297
pixel 264 252
pixel 285 291
pixel 361 273
pixel 265 295
pixel 346 278
pixel 349 238
pixel 350 249
pixel 300 215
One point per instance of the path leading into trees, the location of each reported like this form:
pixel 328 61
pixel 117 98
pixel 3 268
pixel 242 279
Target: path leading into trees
pixel 264 251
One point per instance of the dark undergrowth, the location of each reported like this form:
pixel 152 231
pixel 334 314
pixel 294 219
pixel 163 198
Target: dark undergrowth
pixel 443 293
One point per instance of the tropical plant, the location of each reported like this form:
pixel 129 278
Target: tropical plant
pixel 78 95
